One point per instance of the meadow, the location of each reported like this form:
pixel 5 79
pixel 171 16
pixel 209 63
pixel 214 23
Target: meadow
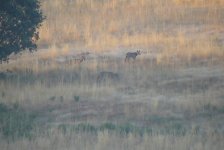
pixel 170 97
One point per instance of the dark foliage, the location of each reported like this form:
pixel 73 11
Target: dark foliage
pixel 15 122
pixel 19 21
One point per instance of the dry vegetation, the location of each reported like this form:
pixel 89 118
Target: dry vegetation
pixel 111 141
pixel 171 97
pixel 178 27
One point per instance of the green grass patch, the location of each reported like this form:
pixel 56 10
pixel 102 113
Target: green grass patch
pixel 15 122
pixel 124 129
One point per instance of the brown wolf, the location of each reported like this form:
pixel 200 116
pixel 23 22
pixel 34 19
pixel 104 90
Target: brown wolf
pixel 132 55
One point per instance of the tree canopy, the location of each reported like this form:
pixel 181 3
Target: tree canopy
pixel 19 21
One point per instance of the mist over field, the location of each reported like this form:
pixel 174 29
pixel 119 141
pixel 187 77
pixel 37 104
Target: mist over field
pixel 118 74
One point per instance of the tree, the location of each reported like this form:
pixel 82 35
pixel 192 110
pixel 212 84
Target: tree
pixel 19 21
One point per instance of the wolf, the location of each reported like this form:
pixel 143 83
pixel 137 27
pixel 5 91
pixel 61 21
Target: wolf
pixel 132 55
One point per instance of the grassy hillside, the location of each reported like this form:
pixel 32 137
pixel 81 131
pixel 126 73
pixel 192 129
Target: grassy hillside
pixel 170 97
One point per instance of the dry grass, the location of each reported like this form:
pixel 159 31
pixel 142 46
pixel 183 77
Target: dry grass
pixel 105 140
pixel 174 86
pixel 148 95
pixel 179 86
pixel 200 3
pixel 107 25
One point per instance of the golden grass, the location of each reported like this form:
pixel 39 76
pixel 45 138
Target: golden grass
pixel 106 25
pixel 147 89
pixel 179 73
pixel 200 3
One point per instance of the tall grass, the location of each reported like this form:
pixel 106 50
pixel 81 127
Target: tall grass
pixel 105 140
pixel 170 97
pixel 103 25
